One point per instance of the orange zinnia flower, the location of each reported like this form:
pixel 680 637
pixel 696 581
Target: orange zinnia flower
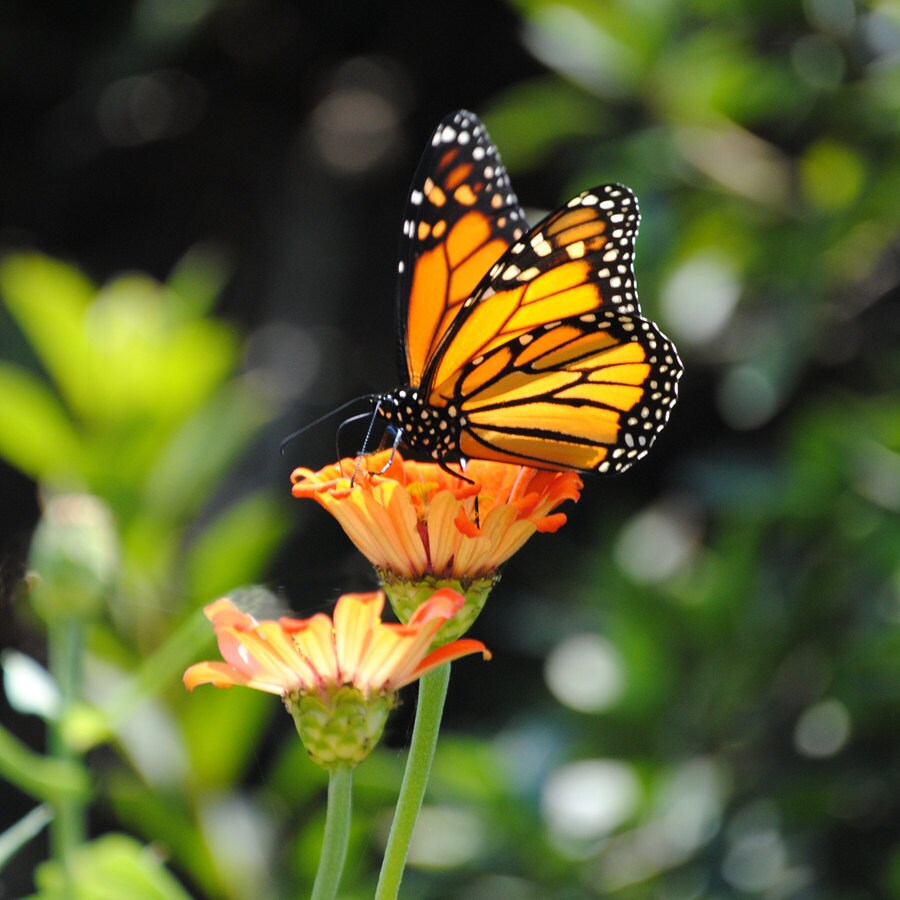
pixel 422 527
pixel 338 679
pixel 416 520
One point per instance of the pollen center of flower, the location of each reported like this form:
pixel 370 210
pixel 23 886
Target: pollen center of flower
pixel 420 493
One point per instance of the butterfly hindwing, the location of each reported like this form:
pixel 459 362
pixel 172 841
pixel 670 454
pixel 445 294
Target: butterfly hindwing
pixel 591 391
pixel 461 216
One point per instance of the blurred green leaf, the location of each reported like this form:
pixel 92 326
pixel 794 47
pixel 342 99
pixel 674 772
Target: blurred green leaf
pixel 203 447
pixel 198 279
pixel 36 435
pixel 531 119
pixel 144 358
pixel 241 540
pixel 112 867
pixel 49 299
pixel 165 817
pixel 222 728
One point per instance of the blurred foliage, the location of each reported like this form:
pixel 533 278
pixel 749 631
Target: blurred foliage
pixel 695 686
pixel 137 401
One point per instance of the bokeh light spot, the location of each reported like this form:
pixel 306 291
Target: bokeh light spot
pixel 139 109
pixel 446 838
pixel 831 175
pixel 657 542
pixel 585 672
pixel 699 298
pixel 756 857
pixel 822 730
pixel 747 397
pixel 585 800
pixel 818 61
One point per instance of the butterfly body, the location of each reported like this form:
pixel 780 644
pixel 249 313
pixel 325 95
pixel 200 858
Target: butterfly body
pixel 522 345
pixel 432 431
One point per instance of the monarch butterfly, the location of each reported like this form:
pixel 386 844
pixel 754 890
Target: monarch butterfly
pixel 517 345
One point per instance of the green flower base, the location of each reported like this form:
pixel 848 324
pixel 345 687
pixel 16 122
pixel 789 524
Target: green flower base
pixel 341 728
pixel 407 596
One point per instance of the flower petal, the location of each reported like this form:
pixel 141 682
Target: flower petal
pixel 355 618
pixel 446 654
pixel 313 641
pixel 221 675
pixel 258 651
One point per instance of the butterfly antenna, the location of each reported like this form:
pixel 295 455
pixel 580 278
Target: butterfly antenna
pixel 342 426
pixel 325 418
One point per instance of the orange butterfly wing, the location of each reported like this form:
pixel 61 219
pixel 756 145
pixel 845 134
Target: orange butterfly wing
pixel 461 217
pixel 550 362
pixel 591 391
pixel 575 261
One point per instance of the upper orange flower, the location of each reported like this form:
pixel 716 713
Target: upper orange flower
pixel 416 520
pixel 292 657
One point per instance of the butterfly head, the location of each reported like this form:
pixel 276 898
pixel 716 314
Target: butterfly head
pixel 430 431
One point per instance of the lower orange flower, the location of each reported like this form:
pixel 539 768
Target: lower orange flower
pixel 337 678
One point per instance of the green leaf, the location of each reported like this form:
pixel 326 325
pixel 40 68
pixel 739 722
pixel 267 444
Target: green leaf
pixel 36 435
pixel 236 546
pixel 148 359
pixel 49 299
pixel 531 119
pixel 200 452
pixel 222 727
pixel 198 278
pixel 109 868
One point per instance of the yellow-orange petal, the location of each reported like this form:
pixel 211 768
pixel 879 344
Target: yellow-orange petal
pixel 313 640
pixel 356 616
pixel 258 651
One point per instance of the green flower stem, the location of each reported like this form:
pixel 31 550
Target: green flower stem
pixel 432 693
pixel 337 834
pixel 67 831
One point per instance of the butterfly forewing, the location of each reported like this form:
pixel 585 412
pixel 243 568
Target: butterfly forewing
pixel 576 261
pixel 461 217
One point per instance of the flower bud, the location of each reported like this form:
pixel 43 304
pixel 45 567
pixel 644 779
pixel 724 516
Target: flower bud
pixel 75 555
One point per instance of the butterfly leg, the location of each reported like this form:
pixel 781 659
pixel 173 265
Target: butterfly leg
pixel 462 476
pixel 396 443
